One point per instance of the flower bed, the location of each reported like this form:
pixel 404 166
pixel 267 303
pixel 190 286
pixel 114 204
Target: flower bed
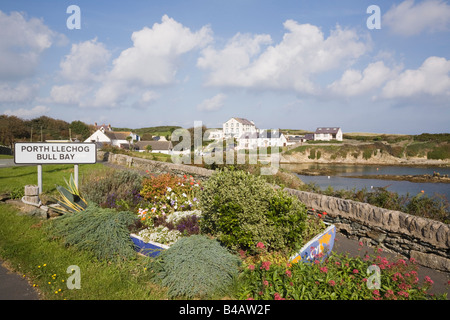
pixel 146 243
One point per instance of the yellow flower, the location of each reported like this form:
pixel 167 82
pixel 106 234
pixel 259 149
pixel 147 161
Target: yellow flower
pixel 45 264
pixel 49 282
pixel 39 266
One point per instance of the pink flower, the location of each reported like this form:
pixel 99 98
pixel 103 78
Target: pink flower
pixel 251 267
pixel 355 271
pixel 289 273
pixel 265 282
pixel 332 283
pixel 260 245
pixel 324 269
pixel 265 265
pixel 403 293
pixel 277 296
pixel 428 279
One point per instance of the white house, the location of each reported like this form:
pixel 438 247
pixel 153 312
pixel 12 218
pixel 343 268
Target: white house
pixel 328 134
pixel 261 139
pixel 156 146
pixel 114 138
pixel 235 127
pixel 214 134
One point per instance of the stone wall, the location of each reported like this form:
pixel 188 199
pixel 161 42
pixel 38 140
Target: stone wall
pixel 425 240
pixel 154 166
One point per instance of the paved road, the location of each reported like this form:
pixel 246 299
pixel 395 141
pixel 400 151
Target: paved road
pixel 14 287
pixel 4 163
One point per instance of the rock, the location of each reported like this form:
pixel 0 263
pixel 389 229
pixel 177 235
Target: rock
pixel 377 236
pixel 5 196
pixel 431 260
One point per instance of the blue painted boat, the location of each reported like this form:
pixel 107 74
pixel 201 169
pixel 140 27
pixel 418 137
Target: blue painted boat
pixel 148 248
pixel 317 248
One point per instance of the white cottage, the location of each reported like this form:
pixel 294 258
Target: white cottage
pixel 328 134
pixel 114 138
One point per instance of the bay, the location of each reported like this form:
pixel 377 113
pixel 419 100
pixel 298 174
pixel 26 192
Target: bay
pixel 337 176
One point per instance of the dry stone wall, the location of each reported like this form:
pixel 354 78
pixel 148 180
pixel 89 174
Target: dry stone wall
pixel 152 166
pixel 425 240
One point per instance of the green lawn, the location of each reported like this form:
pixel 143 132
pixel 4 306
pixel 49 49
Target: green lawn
pixel 28 249
pixel 12 178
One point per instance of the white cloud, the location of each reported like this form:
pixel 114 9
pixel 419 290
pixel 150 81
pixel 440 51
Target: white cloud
pixel 410 19
pixel 16 94
pixel 290 64
pixel 21 45
pixel 151 61
pixel 152 58
pixel 354 82
pixel 28 113
pixel 68 93
pixel 431 78
pixel 213 104
pixel 87 61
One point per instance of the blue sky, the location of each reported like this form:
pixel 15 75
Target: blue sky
pixel 283 64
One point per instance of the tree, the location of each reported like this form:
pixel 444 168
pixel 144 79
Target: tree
pixel 148 148
pixel 80 129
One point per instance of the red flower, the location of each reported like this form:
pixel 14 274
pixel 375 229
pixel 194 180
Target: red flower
pixel 324 269
pixel 251 267
pixel 289 273
pixel 260 245
pixel 355 271
pixel 332 283
pixel 277 296
pixel 265 265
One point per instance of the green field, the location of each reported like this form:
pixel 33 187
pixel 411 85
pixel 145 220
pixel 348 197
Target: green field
pixel 13 178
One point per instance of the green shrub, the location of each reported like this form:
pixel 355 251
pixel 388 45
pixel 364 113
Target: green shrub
pixel 114 189
pixel 241 210
pixel 196 267
pixel 104 232
pixel 367 153
pixel 441 152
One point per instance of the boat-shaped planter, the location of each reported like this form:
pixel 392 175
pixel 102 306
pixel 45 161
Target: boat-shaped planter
pixel 318 247
pixel 147 248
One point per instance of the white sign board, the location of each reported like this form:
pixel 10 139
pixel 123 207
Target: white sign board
pixel 54 153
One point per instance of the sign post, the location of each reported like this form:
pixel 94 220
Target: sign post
pixel 55 153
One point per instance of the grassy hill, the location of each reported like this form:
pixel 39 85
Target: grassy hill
pixel 153 131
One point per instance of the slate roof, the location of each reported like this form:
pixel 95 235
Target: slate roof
pixel 327 130
pixel 117 135
pixel 156 145
pixel 244 121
